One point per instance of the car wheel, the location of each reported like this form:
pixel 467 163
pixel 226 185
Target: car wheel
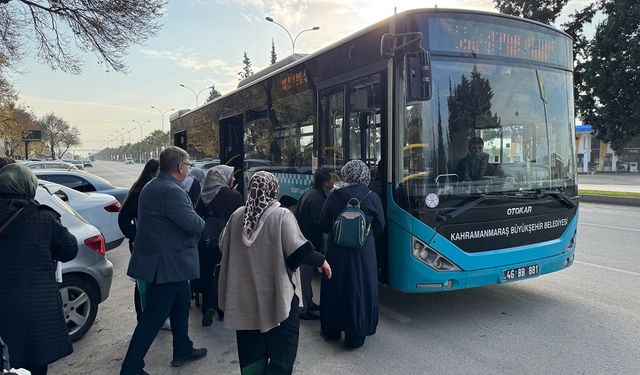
pixel 79 303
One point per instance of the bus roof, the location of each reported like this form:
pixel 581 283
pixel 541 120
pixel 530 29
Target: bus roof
pixel 300 58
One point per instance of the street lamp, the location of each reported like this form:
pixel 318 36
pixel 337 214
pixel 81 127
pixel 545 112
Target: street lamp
pixel 129 132
pixel 194 93
pixel 293 40
pixel 140 125
pixel 163 112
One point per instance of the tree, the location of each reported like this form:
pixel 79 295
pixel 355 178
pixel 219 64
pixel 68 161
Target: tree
pixel 609 79
pixel 106 28
pixel 545 11
pixel 213 93
pixel 15 123
pixel 246 68
pixel 58 135
pixel 7 92
pixel 274 57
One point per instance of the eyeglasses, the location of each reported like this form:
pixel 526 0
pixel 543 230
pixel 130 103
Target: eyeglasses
pixel 183 163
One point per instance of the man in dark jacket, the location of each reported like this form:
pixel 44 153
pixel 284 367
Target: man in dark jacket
pixel 165 256
pixel 308 215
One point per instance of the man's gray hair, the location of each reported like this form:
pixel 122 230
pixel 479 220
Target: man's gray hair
pixel 171 157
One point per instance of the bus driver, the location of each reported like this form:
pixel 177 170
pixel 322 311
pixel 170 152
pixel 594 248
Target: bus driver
pixel 476 165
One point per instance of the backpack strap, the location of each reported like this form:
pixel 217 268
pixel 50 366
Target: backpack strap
pixel 10 220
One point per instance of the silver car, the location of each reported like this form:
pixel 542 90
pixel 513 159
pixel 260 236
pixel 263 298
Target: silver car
pixel 86 279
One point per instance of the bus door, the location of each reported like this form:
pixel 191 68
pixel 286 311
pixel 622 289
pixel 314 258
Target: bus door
pixel 352 125
pixel 231 147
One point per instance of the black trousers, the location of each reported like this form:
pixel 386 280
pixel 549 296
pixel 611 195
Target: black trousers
pixel 306 276
pixel 208 282
pixel 37 370
pixel 136 293
pixel 162 300
pixel 272 352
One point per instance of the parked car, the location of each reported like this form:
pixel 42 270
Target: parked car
pixel 53 164
pixel 86 279
pixel 78 163
pixel 100 210
pixel 87 163
pixel 84 182
pixel 128 160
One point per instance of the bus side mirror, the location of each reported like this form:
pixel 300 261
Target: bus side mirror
pixel 418 65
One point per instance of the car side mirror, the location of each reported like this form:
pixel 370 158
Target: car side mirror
pixel 62 195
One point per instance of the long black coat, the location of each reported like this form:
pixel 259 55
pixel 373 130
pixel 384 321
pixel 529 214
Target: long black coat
pixel 349 300
pixel 308 214
pixel 31 319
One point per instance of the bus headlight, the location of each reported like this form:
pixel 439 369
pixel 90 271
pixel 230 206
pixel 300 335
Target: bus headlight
pixel 425 254
pixel 572 243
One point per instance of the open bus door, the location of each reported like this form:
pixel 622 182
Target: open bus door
pixel 232 147
pixel 353 125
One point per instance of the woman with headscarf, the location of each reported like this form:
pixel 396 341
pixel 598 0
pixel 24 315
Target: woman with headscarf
pixel 349 300
pixel 216 204
pixel 259 289
pixel 129 213
pixel 193 184
pixel 32 239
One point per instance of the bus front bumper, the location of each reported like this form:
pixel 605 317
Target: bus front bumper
pixel 447 281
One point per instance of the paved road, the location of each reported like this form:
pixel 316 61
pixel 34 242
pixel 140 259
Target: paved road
pixel 629 182
pixel 583 320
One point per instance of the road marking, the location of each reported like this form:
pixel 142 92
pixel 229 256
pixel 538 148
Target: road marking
pixel 608 268
pixel 394 314
pixel 610 227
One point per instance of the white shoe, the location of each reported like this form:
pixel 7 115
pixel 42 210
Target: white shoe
pixel 167 325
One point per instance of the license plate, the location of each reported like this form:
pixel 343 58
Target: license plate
pixel 520 272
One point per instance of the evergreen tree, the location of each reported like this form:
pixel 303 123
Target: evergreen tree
pixel 213 93
pixel 608 78
pixel 545 11
pixel 246 68
pixel 274 57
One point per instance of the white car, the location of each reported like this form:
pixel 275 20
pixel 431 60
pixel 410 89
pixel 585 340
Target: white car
pixel 86 279
pixel 100 210
pixel 128 161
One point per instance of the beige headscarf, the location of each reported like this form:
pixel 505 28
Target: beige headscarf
pixel 16 179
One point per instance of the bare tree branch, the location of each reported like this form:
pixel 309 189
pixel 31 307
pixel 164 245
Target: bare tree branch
pixel 105 28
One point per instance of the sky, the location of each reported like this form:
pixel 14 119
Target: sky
pixel 201 43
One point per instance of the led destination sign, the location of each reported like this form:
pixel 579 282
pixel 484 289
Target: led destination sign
pixel 503 39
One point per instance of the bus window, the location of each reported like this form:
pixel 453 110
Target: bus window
pixel 331 123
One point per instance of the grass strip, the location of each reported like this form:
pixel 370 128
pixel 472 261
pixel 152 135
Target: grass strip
pixel 603 193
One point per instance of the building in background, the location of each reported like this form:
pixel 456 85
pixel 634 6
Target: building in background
pixel 593 155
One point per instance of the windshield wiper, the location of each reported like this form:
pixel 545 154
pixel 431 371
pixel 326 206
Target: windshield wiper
pixel 556 194
pixel 479 198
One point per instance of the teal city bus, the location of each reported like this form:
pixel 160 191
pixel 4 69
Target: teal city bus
pixel 465 118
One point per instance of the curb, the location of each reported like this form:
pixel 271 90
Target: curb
pixel 620 201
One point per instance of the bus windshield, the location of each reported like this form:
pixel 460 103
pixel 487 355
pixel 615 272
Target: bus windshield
pixel 489 128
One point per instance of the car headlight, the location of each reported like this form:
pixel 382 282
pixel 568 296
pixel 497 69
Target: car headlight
pixel 425 254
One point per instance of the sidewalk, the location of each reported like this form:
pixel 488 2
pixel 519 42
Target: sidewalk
pixel 613 182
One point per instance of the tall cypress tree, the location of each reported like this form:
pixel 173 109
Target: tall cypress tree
pixel 274 57
pixel 246 68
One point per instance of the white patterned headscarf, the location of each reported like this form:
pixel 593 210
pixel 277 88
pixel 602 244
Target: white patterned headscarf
pixel 263 193
pixel 356 172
